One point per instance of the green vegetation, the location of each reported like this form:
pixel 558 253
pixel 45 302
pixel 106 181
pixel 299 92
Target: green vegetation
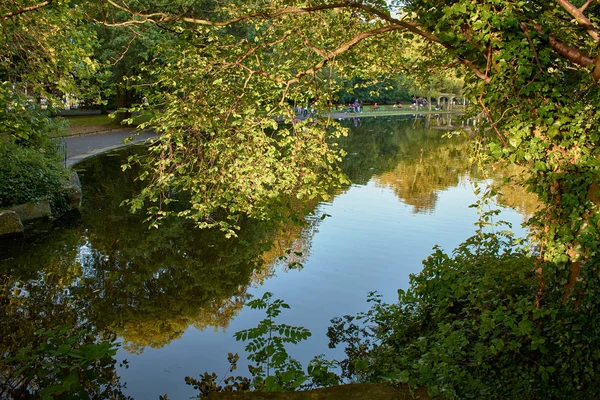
pixel 26 174
pixel 31 168
pixel 275 370
pixel 85 124
pixel 213 78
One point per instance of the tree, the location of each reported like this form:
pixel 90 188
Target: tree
pixel 537 92
pixel 44 53
pixel 531 70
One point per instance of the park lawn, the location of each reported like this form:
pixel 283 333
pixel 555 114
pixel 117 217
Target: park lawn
pixel 87 124
pixel 387 110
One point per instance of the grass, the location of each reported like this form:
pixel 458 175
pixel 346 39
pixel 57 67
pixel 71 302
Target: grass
pixel 84 124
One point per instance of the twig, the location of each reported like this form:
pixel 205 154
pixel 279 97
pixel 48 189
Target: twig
pixel 485 109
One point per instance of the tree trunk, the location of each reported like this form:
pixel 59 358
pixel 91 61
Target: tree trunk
pixel 124 102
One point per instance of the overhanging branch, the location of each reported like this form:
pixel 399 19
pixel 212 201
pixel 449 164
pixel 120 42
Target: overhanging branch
pixel 26 9
pixel 581 19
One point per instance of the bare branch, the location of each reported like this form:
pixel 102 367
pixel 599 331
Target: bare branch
pixel 135 35
pixel 26 9
pixel 580 18
pixel 583 7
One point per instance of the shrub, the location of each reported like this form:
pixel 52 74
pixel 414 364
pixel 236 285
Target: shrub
pixel 480 324
pixel 28 174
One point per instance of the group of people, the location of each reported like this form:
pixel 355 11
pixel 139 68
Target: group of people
pixel 304 111
pixel 357 106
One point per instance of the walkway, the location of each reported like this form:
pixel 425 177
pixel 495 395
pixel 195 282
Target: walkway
pixel 81 147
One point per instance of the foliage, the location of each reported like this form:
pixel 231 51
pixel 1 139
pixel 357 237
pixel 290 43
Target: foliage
pixel 224 73
pixel 27 174
pixel 66 363
pixel 150 286
pixel 49 351
pixel 44 54
pixel 526 68
pixel 385 90
pixel 44 48
pixel 475 324
pixel 274 369
pixel 24 121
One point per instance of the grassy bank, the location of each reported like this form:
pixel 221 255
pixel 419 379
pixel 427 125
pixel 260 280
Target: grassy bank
pixel 86 124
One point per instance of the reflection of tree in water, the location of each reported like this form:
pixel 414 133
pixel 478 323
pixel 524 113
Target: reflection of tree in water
pixel 156 283
pixel 149 286
pixel 418 181
pixel 291 246
pixel 414 161
pixel 46 340
pixel 516 196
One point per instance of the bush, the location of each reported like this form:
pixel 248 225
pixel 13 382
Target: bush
pixel 28 174
pixel 480 324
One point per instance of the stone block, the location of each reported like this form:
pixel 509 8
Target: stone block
pixel 10 224
pixel 73 195
pixel 74 180
pixel 32 211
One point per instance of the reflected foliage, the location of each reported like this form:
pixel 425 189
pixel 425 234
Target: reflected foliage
pixel 514 195
pixel 49 350
pixel 147 285
pixel 409 156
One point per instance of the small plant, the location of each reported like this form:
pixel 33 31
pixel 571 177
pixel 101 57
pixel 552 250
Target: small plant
pixel 66 362
pixel 274 369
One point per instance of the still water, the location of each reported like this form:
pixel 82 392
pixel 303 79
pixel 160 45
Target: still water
pixel 174 296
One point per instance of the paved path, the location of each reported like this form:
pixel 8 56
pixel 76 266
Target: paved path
pixel 81 147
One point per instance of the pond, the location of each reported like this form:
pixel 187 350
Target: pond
pixel 174 296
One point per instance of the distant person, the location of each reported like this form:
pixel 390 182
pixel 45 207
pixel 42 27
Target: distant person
pixel 375 106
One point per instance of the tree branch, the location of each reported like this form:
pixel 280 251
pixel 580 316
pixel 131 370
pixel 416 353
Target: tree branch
pixel 572 54
pixel 396 24
pixel 580 18
pixel 343 48
pixel 583 7
pixel 26 9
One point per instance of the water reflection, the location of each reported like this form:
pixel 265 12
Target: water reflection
pixel 149 286
pixel 411 158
